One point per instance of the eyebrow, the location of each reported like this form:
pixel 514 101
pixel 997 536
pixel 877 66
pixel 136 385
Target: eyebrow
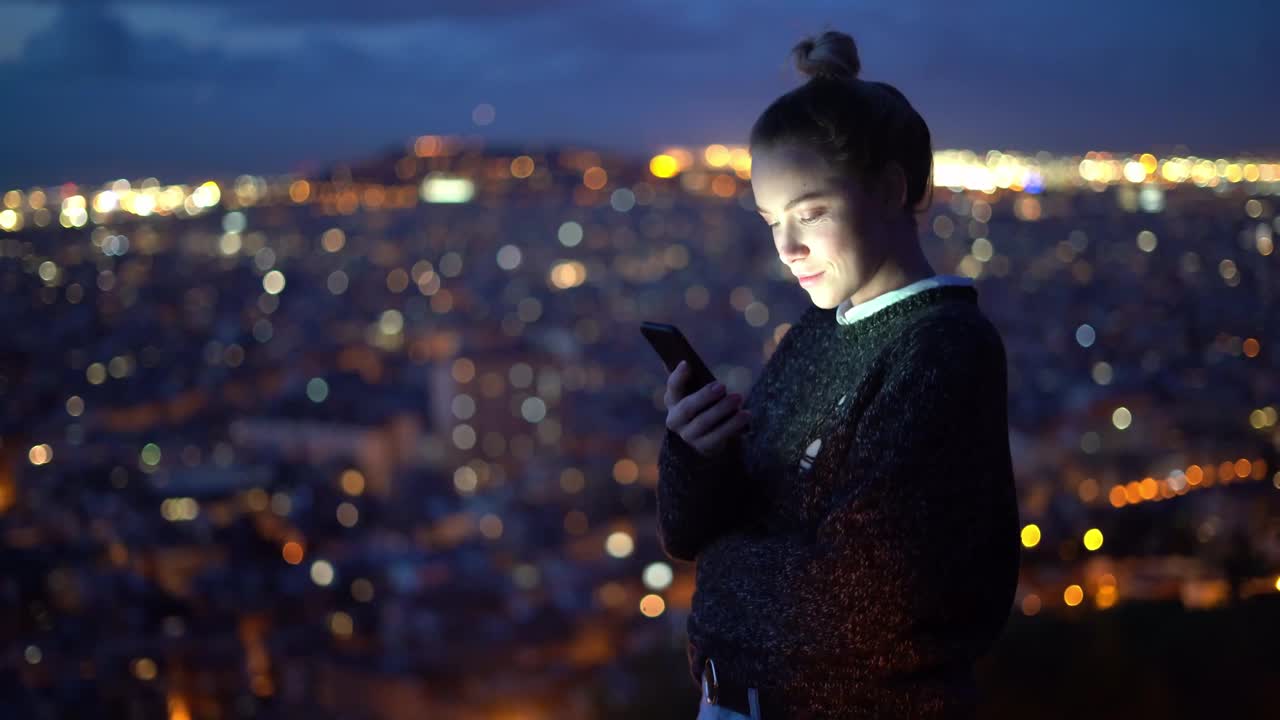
pixel 812 194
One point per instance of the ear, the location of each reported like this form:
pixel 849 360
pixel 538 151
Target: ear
pixel 893 187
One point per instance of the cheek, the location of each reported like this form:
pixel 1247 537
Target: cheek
pixel 834 242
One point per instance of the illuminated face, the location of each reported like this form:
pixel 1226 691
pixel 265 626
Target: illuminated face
pixel 822 223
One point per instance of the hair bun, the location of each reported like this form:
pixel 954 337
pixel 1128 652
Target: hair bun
pixel 832 54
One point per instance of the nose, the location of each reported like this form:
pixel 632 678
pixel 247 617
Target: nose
pixel 789 246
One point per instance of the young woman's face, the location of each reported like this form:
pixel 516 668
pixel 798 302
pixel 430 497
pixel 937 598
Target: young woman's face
pixel 821 223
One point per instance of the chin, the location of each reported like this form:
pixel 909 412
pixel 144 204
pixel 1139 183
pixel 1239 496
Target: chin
pixel 824 300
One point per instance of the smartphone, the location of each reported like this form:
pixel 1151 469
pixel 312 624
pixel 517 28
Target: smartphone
pixel 672 347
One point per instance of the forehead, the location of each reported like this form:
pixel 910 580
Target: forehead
pixel 779 175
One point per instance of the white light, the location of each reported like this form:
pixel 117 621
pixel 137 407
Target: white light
pixel 658 576
pixel 509 257
pixel 273 282
pixel 570 234
pixel 619 544
pixel 321 573
pixel 439 189
pixel 233 222
pixel 1085 335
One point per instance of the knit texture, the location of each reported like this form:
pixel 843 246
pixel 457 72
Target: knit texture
pixel 857 549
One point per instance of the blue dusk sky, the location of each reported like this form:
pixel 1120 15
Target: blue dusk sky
pixel 182 90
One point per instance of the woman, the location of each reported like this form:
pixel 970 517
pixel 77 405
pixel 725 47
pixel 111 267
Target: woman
pixel 856 541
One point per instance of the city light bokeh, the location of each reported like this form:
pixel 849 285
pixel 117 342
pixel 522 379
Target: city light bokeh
pixel 311 446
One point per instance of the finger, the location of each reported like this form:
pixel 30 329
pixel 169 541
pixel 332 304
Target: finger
pixel 709 393
pixel 689 407
pixel 675 381
pixel 723 433
pixel 710 418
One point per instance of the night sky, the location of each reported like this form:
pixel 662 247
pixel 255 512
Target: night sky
pixel 183 89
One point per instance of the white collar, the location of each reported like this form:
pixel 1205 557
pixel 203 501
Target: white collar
pixel 848 313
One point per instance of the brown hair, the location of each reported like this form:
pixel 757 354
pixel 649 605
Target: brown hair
pixel 859 126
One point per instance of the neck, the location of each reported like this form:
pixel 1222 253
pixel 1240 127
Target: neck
pixel 897 270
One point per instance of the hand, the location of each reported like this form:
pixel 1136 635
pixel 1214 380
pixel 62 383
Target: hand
pixel 707 419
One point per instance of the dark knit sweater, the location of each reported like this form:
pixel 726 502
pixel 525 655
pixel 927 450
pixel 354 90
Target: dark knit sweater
pixel 857 549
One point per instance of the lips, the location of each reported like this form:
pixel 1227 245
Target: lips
pixel 805 278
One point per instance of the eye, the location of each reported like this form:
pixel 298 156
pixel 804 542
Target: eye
pixel 811 220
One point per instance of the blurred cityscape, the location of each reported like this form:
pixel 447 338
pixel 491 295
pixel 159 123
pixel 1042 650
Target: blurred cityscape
pixel 382 442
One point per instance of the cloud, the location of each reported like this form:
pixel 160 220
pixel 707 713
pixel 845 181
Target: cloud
pixel 93 46
pixel 310 13
pixel 99 100
pixel 93 40
pixel 112 88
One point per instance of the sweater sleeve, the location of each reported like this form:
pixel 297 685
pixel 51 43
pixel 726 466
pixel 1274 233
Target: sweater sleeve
pixel 696 494
pixel 914 565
